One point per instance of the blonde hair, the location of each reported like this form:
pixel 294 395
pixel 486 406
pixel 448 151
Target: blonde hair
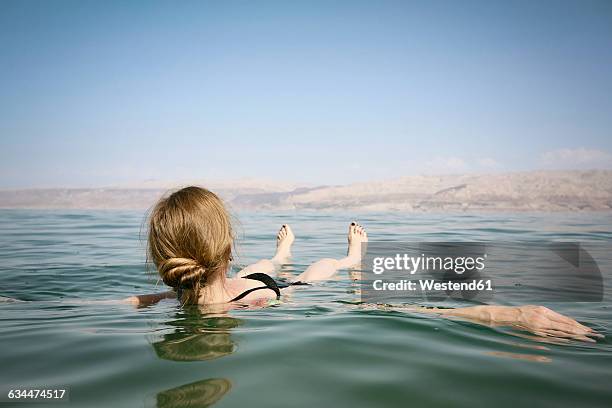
pixel 190 240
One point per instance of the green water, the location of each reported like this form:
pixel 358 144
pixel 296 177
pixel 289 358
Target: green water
pixel 319 348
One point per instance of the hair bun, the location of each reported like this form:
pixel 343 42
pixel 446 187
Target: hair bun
pixel 181 272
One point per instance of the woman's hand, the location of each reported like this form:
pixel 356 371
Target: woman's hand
pixel 539 320
pixel 544 322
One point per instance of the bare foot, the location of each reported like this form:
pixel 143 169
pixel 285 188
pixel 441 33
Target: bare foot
pixel 284 240
pixel 356 235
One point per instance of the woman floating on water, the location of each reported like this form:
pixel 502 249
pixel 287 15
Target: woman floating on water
pixel 190 242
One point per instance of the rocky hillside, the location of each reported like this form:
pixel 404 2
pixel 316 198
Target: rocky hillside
pixel 528 191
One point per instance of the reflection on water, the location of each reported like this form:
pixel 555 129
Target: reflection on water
pixel 196 336
pixel 198 394
pixel 518 356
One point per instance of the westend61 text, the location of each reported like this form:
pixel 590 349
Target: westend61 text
pixel 430 284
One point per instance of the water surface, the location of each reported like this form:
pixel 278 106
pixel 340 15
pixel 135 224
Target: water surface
pixel 317 348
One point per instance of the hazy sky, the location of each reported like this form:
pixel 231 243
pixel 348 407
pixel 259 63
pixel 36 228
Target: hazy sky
pixel 101 93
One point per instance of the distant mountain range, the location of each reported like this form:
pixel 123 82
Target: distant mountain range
pixel 525 191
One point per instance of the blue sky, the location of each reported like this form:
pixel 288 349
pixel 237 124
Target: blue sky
pixel 104 93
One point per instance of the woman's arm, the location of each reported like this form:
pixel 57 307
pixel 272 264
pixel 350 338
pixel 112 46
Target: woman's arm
pixel 151 299
pixel 539 320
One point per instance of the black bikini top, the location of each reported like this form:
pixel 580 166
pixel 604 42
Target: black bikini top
pixel 263 278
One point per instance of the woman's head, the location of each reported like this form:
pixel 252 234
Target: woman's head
pixel 190 240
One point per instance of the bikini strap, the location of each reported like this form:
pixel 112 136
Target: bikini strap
pixel 263 278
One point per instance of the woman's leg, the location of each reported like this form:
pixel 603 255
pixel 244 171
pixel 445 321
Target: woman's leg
pixel 327 268
pixel 284 240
